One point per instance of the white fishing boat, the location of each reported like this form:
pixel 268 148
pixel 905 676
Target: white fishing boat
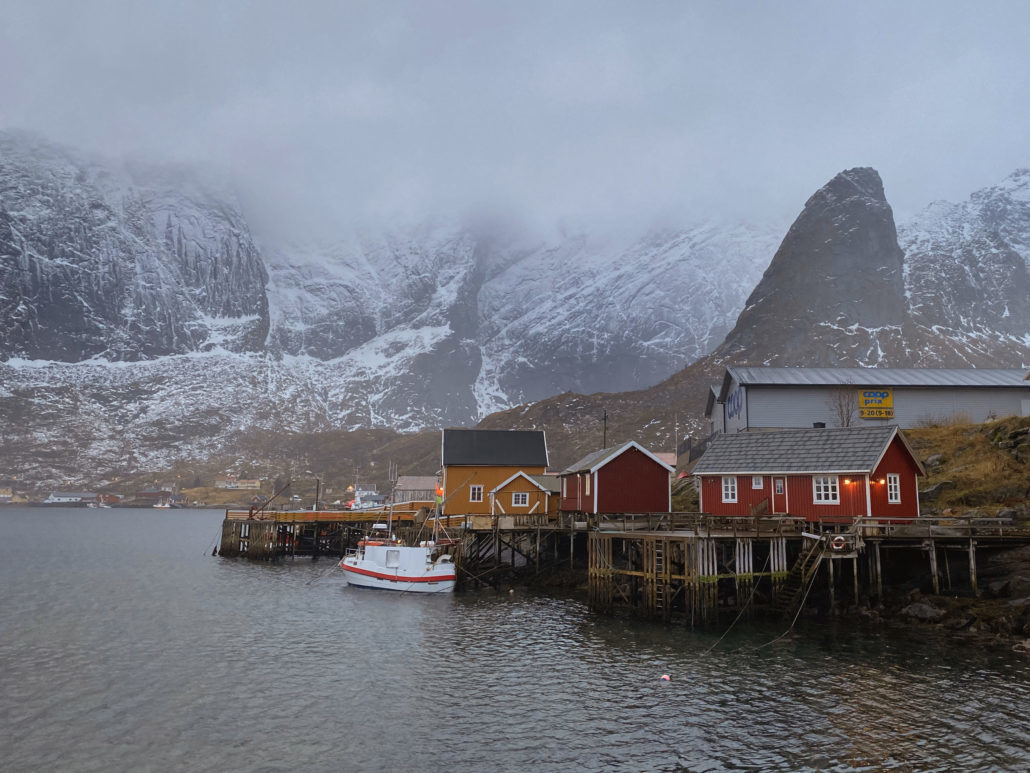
pixel 386 563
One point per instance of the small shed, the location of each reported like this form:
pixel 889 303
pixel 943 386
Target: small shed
pixel 819 474
pixel 622 479
pixel 524 494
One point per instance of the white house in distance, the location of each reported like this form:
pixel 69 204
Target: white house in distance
pixel 783 398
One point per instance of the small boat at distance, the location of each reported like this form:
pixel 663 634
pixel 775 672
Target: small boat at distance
pixel 386 563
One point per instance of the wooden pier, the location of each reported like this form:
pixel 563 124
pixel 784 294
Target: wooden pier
pixel 688 566
pixel 664 566
pixel 271 534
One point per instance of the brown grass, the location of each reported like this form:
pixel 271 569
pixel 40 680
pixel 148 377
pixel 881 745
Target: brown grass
pixel 985 475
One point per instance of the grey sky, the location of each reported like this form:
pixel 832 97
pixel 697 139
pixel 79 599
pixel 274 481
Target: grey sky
pixel 583 110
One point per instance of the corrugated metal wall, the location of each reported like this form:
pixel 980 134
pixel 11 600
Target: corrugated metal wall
pixel 780 407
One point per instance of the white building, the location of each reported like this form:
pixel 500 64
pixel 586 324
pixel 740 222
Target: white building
pixel 780 398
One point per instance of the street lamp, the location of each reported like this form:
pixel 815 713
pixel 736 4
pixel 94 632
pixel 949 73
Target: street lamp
pixel 318 488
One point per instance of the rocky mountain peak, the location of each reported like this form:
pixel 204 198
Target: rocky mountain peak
pixel 837 280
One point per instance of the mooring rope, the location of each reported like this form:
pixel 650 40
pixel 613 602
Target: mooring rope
pixel 811 584
pixel 754 588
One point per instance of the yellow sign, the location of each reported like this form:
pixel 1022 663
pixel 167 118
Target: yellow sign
pixel 876 403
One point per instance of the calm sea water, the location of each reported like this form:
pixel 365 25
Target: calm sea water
pixel 125 646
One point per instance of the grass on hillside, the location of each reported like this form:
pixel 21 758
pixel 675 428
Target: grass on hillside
pixel 983 466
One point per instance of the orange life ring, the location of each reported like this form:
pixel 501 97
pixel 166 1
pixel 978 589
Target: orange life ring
pixel 838 542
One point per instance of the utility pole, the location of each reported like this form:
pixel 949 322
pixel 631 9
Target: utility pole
pixel 604 435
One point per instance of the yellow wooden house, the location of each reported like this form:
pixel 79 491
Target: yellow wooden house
pixel 477 461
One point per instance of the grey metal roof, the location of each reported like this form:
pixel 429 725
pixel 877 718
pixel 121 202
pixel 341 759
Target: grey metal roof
pixel 888 377
pixel 495 447
pixel 831 450
pixel 415 483
pixel 549 482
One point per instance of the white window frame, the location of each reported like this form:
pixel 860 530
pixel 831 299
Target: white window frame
pixel 825 490
pixel 729 488
pixel 757 482
pixel 475 493
pixel 520 499
pixel 779 487
pixel 893 488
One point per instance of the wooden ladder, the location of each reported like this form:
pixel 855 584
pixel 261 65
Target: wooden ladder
pixel 792 594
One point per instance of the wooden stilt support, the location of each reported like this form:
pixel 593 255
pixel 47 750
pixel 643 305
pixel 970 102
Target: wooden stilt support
pixel 972 568
pixel 829 569
pixel 854 568
pixel 876 570
pixel 933 568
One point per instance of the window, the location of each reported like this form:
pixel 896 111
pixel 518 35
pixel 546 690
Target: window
pixel 756 481
pixel 779 486
pixel 893 488
pixel 520 499
pixel 729 489
pixel 824 490
pixel 564 487
pixel 475 493
pixel 587 491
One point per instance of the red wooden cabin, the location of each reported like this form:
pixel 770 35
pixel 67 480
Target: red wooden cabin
pixel 835 474
pixel 622 479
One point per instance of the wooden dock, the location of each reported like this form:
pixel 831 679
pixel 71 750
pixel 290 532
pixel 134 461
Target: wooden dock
pixel 688 565
pixel 663 566
pixel 271 534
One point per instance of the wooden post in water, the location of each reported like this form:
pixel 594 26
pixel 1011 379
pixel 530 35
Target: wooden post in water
pixel 744 575
pixel 876 570
pixel 830 578
pixel 778 563
pixel 854 567
pixel 933 568
pixel 972 568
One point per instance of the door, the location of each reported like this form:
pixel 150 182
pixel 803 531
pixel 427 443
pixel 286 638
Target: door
pixel 779 497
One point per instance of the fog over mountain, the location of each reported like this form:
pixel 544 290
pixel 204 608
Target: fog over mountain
pixel 144 323
pixel 231 218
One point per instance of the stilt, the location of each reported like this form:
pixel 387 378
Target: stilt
pixel 854 567
pixel 972 568
pixel 833 600
pixel 876 568
pixel 933 568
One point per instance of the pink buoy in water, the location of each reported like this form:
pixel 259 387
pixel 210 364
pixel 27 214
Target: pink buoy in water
pixel 665 677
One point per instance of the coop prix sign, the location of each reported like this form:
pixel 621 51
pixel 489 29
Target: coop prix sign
pixel 875 404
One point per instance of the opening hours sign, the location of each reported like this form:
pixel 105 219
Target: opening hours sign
pixel 875 403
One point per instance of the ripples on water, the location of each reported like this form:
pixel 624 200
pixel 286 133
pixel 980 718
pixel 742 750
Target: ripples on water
pixel 125 646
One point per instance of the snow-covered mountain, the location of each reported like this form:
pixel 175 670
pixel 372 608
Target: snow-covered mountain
pixel 142 322
pixel 967 274
pixel 137 310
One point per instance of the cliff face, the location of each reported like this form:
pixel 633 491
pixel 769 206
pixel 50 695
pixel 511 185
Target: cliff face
pixel 834 291
pixel 94 263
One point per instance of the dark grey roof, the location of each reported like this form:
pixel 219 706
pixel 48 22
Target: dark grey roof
pixel 887 377
pixel 496 447
pixel 831 450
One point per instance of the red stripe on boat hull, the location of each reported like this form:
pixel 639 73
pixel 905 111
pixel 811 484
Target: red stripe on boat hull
pixel 396 577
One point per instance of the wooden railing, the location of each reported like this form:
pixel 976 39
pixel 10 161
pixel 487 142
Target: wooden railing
pixel 699 523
